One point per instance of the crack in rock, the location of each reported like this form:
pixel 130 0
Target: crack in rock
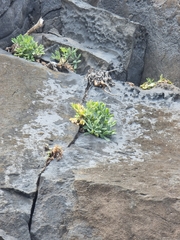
pixel 39 176
pixel 54 10
pixel 34 202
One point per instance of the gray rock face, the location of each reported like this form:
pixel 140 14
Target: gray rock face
pixel 124 41
pixel 25 121
pixel 122 189
pixel 162 21
pixel 48 10
pixel 127 188
pixel 14 221
pixel 13 19
pixel 18 16
pixel 160 18
pixel 109 40
pixel 99 58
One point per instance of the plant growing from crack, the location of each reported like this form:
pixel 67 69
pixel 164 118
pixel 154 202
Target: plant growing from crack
pixel 95 119
pixel 52 153
pixel 67 55
pixel 150 83
pixel 25 47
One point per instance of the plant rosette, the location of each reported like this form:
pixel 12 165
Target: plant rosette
pixel 27 48
pixel 95 119
pixel 67 54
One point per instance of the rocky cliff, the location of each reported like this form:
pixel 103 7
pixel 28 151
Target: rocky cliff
pixel 125 188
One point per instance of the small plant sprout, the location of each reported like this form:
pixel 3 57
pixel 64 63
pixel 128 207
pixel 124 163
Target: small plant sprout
pixel 67 55
pixel 95 119
pixel 150 83
pixel 27 48
pixel 164 80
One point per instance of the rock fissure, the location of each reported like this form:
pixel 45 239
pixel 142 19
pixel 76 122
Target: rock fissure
pixel 44 169
pixel 54 153
pixel 52 11
pixel 4 13
pixel 34 202
pixel 36 196
pixel 74 138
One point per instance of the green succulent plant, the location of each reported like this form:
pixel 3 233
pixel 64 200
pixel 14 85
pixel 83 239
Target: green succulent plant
pixel 95 119
pixel 27 48
pixel 164 80
pixel 67 54
pixel 150 83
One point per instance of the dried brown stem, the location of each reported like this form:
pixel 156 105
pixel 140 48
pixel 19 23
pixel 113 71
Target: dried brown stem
pixel 38 25
pixel 31 30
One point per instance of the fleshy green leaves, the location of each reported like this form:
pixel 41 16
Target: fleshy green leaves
pixel 79 118
pixel 67 54
pixel 27 48
pixel 164 80
pixel 95 119
pixel 150 83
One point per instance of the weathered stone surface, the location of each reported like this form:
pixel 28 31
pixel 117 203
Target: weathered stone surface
pixel 50 11
pixel 160 18
pixel 162 21
pixel 114 41
pixel 15 212
pixel 34 111
pixel 102 31
pixel 123 189
pixel 127 188
pixel 118 189
pixel 93 57
pixel 105 40
pixel 13 19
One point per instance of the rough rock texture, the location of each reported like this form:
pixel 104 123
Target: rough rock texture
pixel 108 40
pixel 159 17
pixel 162 21
pixel 14 19
pixel 105 40
pixel 127 188
pixel 29 121
pixel 100 58
pixel 19 15
pixel 123 41
pixel 50 11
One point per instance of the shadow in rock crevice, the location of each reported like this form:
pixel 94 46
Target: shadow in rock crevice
pixel 34 202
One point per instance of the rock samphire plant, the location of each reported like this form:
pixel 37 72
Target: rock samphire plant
pixel 67 55
pixel 25 47
pixel 95 119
